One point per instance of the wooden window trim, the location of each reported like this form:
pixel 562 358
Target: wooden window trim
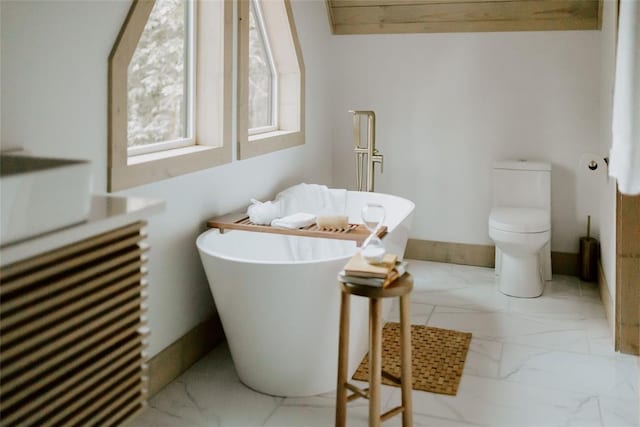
pixel 291 84
pixel 213 104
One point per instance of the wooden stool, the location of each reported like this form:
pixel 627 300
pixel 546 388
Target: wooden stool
pixel 400 288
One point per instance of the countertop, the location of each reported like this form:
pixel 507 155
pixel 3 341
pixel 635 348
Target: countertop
pixel 107 213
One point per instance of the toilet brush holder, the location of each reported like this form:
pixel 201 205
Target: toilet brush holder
pixel 588 256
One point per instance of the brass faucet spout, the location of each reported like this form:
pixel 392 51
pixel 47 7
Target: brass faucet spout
pixel 368 155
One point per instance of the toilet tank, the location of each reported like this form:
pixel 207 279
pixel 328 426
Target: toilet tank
pixel 522 183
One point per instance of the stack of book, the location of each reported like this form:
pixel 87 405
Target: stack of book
pixel 382 274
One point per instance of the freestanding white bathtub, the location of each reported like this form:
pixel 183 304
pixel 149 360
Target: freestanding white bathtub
pixel 279 300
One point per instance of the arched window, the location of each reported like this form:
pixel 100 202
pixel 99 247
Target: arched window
pixel 270 78
pixel 170 91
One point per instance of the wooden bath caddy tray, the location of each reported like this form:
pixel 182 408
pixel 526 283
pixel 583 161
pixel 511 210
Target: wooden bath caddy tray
pixel 240 221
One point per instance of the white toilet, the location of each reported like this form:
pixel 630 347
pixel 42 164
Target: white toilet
pixel 520 226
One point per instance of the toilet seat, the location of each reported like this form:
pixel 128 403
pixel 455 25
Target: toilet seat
pixel 520 220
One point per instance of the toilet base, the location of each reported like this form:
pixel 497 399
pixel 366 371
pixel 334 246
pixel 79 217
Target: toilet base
pixel 520 276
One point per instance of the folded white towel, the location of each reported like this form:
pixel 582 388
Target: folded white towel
pixel 263 213
pixel 297 220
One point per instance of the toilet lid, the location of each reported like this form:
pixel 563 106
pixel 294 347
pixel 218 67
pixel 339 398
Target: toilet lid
pixel 520 220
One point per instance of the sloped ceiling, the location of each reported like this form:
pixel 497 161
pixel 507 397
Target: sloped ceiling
pixel 443 16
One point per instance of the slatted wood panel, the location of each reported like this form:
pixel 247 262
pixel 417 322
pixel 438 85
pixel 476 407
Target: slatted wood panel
pixel 240 221
pixel 73 333
pixel 443 16
pixel 627 274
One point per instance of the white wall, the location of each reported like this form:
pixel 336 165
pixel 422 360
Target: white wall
pixel 607 193
pixel 54 102
pixel 448 105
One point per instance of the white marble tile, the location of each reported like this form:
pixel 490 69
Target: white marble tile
pixel 510 327
pixel 584 373
pixel 210 394
pixel 590 290
pixel 483 358
pixel 154 417
pixel 173 404
pixel 473 297
pixel 432 276
pixel 320 410
pixel 542 362
pixel 419 313
pixel 329 399
pixel 420 420
pixel 316 416
pixel 619 412
pixel 562 287
pixel 557 308
pixel 490 402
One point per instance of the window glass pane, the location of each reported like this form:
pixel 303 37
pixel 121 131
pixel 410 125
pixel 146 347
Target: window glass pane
pixel 157 79
pixel 260 75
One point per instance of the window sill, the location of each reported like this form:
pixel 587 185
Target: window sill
pixel 167 154
pixel 268 142
pixel 152 167
pixel 264 136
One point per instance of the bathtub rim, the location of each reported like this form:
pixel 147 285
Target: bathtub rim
pixel 204 249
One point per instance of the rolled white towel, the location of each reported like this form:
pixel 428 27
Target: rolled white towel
pixel 263 213
pixel 297 220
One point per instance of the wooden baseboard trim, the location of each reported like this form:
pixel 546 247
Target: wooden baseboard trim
pixel 478 255
pixel 564 263
pixel 171 362
pixel 607 301
pixel 453 253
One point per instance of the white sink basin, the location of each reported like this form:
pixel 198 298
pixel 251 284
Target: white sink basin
pixel 40 195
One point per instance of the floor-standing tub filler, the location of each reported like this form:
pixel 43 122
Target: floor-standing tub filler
pixel 279 301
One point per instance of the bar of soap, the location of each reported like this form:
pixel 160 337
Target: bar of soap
pixel 337 221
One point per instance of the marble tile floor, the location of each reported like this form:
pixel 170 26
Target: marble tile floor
pixel 547 361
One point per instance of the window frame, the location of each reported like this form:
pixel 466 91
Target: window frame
pixel 287 55
pixel 211 136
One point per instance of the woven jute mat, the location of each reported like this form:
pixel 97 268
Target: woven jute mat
pixel 437 356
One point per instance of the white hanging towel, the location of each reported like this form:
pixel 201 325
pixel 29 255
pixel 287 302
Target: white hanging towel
pixel 625 149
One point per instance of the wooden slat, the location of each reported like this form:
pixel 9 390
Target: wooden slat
pixel 367 3
pixel 74 360
pixel 74 323
pixel 116 409
pixel 39 408
pixel 73 332
pixel 36 310
pixel 87 303
pixel 67 264
pixel 627 325
pixel 86 399
pixel 42 390
pixel 131 415
pixel 240 221
pixel 462 12
pixel 63 344
pixel 29 298
pixel 358 17
pixel 461 27
pixel 66 251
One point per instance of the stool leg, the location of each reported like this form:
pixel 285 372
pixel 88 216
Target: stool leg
pixel 343 361
pixel 375 360
pixel 405 365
